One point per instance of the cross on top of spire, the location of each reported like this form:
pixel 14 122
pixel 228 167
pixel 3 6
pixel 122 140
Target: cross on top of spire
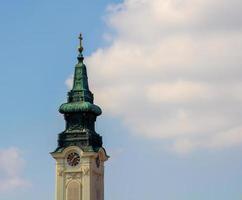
pixel 80 49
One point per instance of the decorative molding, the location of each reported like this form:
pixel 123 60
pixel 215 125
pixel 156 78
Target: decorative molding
pixel 73 175
pixel 85 170
pixel 60 172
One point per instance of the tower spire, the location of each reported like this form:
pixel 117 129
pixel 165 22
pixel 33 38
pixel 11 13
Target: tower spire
pixel 80 90
pixel 80 112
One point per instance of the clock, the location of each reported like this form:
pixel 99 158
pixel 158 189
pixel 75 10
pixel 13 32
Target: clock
pixel 98 162
pixel 73 159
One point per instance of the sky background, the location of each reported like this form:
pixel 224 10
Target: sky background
pixel 167 74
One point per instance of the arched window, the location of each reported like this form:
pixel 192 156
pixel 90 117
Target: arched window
pixel 73 191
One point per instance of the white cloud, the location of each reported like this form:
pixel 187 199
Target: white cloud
pixel 11 167
pixel 173 71
pixel 219 140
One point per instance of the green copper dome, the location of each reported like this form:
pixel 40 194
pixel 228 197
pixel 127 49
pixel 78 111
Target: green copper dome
pixel 80 98
pixel 84 106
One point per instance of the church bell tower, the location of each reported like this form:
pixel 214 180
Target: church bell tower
pixel 80 155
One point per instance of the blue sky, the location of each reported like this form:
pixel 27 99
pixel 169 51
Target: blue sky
pixel 167 75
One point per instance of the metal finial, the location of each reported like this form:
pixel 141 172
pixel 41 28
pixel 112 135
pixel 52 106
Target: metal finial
pixel 80 49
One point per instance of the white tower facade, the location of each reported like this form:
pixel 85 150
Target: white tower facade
pixel 79 174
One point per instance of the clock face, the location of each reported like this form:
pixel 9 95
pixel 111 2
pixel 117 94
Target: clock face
pixel 98 162
pixel 73 159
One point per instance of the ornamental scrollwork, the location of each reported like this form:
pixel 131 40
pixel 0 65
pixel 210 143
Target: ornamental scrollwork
pixel 85 170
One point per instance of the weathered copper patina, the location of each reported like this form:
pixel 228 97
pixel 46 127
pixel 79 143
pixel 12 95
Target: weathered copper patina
pixel 80 112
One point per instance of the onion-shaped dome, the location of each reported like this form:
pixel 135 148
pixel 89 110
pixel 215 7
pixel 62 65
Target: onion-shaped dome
pixel 75 107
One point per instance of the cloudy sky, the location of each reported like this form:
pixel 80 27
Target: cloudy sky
pixel 167 74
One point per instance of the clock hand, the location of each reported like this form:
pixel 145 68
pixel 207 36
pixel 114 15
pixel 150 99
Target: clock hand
pixel 74 158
